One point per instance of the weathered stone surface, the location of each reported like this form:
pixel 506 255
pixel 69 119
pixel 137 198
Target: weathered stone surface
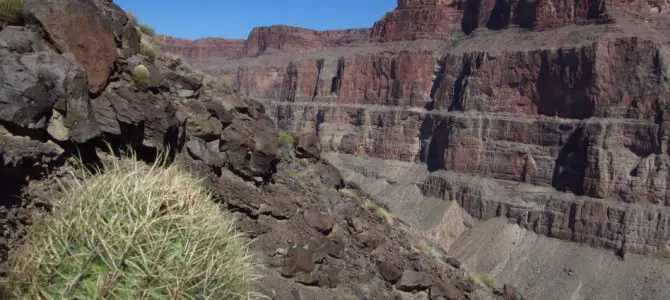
pixel 444 291
pixel 93 45
pixel 56 127
pixel 21 40
pixel 391 269
pixel 412 281
pixel 298 260
pixel 323 222
pixel 454 262
pixel 35 83
pixel 308 145
pixel 202 124
pixel 328 174
pixel 251 146
pixel 510 293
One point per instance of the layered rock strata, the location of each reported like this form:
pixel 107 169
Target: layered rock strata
pixel 205 47
pixel 576 105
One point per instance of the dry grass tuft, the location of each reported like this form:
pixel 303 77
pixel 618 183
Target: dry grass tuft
pixel 380 211
pixel 482 279
pixel 132 231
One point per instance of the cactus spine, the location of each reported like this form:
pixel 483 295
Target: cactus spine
pixel 141 75
pixel 10 10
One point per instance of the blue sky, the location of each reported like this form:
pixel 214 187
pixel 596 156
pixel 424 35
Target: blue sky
pixel 236 18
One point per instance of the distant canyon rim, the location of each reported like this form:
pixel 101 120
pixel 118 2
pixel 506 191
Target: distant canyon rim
pixel 538 128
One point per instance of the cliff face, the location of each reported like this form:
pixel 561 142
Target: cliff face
pixel 566 97
pixel 394 79
pixel 414 19
pixel 206 47
pixel 298 40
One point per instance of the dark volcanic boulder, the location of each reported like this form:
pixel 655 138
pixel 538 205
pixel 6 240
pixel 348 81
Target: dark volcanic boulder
pixel 251 146
pixel 308 145
pixel 32 85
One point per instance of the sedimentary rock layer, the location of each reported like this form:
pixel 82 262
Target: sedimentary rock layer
pixel 205 47
pixel 575 105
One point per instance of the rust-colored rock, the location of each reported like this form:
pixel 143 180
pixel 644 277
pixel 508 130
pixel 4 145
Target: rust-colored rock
pixel 205 47
pixel 298 40
pixel 93 45
pixel 417 19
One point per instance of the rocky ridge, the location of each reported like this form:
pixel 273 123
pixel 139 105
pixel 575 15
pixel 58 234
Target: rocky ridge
pixel 67 94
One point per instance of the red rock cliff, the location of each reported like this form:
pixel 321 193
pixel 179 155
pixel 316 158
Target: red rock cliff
pixel 414 19
pixel 299 40
pixel 577 105
pixel 205 47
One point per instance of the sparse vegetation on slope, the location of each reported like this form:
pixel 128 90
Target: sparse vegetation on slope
pixel 147 29
pixel 381 211
pixel 132 18
pixel 285 138
pixel 132 231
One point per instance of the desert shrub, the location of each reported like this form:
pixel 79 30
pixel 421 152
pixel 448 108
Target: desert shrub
pixel 147 29
pixel 10 10
pixel 285 138
pixel 483 279
pixel 148 50
pixel 132 231
pixel 141 75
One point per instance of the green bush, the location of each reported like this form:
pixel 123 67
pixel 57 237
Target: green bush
pixel 285 138
pixel 141 75
pixel 10 10
pixel 147 29
pixel 132 231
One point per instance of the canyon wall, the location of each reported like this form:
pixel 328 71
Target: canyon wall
pixel 570 98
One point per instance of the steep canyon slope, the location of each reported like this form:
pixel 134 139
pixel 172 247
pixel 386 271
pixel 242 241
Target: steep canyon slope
pixel 552 115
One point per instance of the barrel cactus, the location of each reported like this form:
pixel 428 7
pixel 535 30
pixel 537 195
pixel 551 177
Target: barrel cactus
pixel 132 231
pixel 10 10
pixel 141 75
